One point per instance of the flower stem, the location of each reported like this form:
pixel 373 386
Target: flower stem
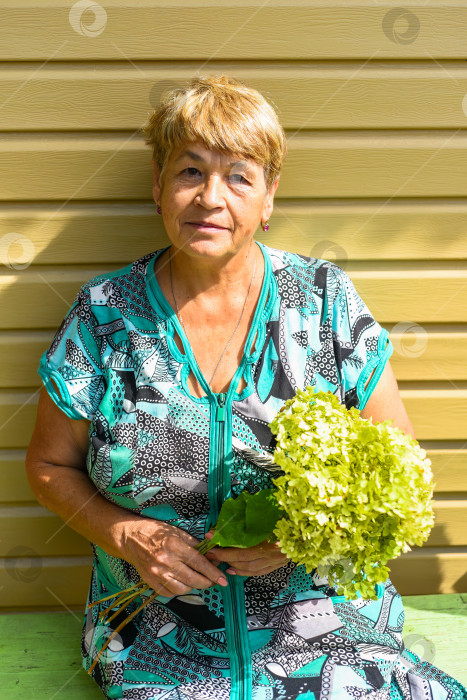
pixel 119 594
pixel 120 627
pixel 124 599
pixel 123 604
pixel 205 546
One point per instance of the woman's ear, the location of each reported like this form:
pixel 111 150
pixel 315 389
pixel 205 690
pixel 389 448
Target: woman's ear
pixel 156 190
pixel 269 199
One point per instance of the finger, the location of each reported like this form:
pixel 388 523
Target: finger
pixel 265 550
pixel 180 579
pixel 237 557
pixel 257 566
pixel 259 572
pixel 179 551
pixel 236 554
pixel 204 566
pixel 163 591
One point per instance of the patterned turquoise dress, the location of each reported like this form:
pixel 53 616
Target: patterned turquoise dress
pixel 158 451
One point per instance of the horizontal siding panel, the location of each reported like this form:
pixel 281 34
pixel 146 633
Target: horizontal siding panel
pixel 375 165
pixel 450 528
pixel 422 296
pixel 14 485
pixel 19 357
pixel 301 29
pixel 428 356
pixel 80 167
pixel 334 230
pixel 428 570
pixel 436 414
pixel 52 583
pixel 34 531
pixel 318 96
pixel 37 529
pixel 17 417
pixel 449 468
pixel 40 297
pixel 363 164
pixel 418 355
pixel 37 298
pixel 47 583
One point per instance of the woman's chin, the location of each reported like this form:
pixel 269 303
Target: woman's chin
pixel 207 248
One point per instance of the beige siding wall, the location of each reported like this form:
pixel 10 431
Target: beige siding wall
pixel 373 98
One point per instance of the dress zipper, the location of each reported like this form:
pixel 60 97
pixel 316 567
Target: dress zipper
pixel 234 602
pixel 220 408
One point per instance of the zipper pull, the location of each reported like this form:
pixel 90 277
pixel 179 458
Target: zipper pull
pixel 220 408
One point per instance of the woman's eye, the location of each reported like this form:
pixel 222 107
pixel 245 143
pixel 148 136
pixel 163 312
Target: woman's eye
pixel 238 179
pixel 191 171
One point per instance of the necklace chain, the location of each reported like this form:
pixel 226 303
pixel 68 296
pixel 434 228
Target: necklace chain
pixel 236 327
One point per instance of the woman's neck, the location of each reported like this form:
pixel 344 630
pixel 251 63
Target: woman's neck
pixel 210 277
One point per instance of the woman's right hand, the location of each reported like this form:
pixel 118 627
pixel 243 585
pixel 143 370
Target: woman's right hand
pixel 166 558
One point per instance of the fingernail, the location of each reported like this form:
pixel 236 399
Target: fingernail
pixel 222 580
pixel 232 572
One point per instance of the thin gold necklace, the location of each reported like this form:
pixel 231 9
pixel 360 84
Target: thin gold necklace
pixel 236 327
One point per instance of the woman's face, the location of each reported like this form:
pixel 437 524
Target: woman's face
pixel 212 203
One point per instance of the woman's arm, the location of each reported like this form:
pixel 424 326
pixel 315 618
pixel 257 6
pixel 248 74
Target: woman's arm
pixel 385 402
pixel 56 466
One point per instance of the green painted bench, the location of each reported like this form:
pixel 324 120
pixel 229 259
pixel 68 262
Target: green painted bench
pixel 41 659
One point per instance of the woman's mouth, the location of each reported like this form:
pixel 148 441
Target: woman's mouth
pixel 205 226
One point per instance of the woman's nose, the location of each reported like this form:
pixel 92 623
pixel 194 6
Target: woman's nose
pixel 211 192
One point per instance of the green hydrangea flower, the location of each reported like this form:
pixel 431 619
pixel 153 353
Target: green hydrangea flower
pixel 354 494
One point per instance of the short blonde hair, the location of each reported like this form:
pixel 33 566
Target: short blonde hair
pixel 225 115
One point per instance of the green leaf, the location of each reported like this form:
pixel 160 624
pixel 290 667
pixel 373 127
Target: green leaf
pixel 246 520
pixel 262 514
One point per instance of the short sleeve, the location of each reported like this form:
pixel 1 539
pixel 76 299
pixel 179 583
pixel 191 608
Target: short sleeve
pixel 361 346
pixel 72 364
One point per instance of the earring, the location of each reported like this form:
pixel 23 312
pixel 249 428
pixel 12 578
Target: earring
pixel 158 209
pixel 265 226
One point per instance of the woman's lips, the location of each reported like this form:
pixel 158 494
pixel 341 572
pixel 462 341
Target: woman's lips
pixel 205 226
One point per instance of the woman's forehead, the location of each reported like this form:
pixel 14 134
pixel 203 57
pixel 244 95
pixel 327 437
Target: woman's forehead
pixel 199 152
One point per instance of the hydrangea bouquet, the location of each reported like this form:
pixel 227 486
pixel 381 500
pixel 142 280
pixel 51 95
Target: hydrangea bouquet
pixel 354 494
pixel 350 495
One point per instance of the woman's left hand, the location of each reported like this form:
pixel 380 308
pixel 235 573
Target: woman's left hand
pixel 253 561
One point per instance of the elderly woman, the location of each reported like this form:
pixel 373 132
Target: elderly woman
pixel 160 376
